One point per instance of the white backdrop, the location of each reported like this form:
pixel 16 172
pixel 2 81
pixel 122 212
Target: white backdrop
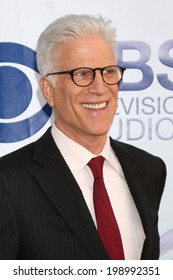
pixel 145 110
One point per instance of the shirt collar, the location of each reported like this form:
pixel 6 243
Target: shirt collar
pixel 76 155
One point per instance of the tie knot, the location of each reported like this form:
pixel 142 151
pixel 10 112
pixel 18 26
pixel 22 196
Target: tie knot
pixel 96 166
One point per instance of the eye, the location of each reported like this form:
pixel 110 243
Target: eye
pixel 83 73
pixel 110 70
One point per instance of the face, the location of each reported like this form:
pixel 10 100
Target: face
pixel 83 113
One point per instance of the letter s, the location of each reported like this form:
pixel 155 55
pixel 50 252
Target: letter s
pixel 166 59
pixel 15 271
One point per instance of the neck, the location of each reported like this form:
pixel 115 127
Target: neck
pixel 93 143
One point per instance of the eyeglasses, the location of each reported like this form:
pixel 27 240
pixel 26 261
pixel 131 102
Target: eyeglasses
pixel 84 76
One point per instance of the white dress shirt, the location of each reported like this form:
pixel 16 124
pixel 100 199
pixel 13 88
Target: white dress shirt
pixel 77 157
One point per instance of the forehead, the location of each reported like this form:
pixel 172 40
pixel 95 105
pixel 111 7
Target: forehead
pixel 93 51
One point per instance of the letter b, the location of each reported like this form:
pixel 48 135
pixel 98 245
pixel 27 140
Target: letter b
pixel 145 54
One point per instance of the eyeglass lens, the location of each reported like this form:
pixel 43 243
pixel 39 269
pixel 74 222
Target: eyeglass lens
pixel 85 76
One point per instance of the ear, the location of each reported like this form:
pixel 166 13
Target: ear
pixel 47 90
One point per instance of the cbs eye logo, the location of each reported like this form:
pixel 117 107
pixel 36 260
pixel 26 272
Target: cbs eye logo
pixel 20 99
pixel 166 245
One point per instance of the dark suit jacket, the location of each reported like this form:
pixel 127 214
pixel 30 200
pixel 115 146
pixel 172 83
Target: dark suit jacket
pixel 43 214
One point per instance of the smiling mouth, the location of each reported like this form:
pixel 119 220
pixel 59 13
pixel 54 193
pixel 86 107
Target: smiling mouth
pixel 97 106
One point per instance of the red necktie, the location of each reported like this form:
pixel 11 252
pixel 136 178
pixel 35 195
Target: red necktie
pixel 106 221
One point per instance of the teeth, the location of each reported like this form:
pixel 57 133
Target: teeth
pixel 94 106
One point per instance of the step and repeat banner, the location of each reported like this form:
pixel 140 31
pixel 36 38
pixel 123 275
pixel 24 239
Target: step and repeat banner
pixel 144 117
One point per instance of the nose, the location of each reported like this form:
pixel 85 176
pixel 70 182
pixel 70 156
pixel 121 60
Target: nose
pixel 98 86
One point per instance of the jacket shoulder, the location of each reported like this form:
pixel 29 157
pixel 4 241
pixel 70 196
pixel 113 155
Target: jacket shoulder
pixel 133 150
pixel 23 156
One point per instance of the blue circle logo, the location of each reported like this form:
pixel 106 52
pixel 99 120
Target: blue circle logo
pixel 166 245
pixel 17 95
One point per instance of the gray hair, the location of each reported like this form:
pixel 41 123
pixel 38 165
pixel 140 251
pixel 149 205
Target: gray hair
pixel 66 29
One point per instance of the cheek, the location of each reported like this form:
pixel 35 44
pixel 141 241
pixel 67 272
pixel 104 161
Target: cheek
pixel 115 99
pixel 70 95
pixel 64 100
pixel 115 94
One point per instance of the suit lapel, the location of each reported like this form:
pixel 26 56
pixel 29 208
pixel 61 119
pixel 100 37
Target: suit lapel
pixel 60 186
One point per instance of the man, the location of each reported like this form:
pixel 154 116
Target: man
pixel 46 188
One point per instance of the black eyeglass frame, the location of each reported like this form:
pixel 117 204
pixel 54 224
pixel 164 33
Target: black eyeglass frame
pixel 122 69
